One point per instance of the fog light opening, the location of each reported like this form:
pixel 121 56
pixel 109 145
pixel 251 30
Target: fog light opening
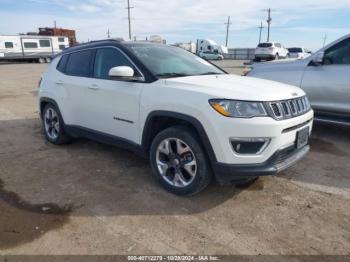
pixel 249 146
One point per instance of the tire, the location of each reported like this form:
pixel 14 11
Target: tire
pixel 257 59
pixel 277 57
pixel 41 60
pixel 48 59
pixel 53 125
pixel 184 169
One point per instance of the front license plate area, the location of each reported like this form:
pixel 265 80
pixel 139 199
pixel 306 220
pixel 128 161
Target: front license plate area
pixel 302 137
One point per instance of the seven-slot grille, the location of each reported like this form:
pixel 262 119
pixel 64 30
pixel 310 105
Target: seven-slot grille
pixel 289 108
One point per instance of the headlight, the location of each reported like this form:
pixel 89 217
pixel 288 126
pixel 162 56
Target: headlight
pixel 232 108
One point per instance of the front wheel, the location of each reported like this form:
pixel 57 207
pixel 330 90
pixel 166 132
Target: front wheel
pixel 277 56
pixel 179 162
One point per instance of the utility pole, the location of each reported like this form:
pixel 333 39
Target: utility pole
pixel 54 22
pixel 324 40
pixel 261 28
pixel 108 34
pixel 269 20
pixel 129 18
pixel 227 28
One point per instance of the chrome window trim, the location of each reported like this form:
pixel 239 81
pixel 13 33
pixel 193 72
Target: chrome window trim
pixel 142 78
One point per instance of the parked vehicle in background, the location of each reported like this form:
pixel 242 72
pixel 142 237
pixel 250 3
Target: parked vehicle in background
pixel 211 55
pixel 207 45
pixel 188 116
pixel 324 76
pixel 31 47
pixel 297 52
pixel 190 46
pixel 270 51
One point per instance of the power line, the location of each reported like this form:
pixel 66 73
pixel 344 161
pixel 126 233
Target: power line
pixel 269 20
pixel 261 28
pixel 129 18
pixel 324 40
pixel 227 28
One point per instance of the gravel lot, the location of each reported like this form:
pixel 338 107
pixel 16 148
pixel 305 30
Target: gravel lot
pixel 89 198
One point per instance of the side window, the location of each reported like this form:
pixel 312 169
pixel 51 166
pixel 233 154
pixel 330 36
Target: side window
pixel 278 45
pixel 61 47
pixel 62 63
pixel 44 43
pixel 339 54
pixel 79 63
pixel 8 45
pixel 106 58
pixel 61 39
pixel 30 45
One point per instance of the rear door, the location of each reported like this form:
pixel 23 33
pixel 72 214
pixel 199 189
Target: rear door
pixel 76 82
pixel 328 85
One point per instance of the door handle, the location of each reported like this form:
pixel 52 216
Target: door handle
pixel 59 83
pixel 94 87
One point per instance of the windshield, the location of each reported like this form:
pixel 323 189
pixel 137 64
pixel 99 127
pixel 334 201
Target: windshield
pixel 295 50
pixel 168 61
pixel 264 45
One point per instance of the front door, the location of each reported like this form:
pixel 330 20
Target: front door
pixel 113 105
pixel 328 85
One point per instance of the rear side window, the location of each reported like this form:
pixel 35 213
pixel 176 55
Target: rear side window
pixel 106 58
pixel 79 63
pixel 60 39
pixel 8 45
pixel 265 45
pixel 62 63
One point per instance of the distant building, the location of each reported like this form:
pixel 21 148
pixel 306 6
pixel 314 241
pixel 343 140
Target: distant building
pixel 53 31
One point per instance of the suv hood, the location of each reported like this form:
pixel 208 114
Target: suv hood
pixel 236 87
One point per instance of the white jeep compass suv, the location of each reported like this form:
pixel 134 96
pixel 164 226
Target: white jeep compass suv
pixel 189 117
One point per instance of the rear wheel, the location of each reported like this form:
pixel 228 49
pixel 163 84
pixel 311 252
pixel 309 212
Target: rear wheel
pixel 277 56
pixel 179 162
pixel 48 60
pixel 53 125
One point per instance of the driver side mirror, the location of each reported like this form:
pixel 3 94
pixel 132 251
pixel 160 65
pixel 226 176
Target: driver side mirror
pixel 318 58
pixel 125 73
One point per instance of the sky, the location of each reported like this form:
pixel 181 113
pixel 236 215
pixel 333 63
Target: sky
pixel 302 23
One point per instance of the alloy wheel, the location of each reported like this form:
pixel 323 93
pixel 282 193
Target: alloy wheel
pixel 176 162
pixel 51 123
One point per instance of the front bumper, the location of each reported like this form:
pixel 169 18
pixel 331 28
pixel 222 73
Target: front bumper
pixel 278 162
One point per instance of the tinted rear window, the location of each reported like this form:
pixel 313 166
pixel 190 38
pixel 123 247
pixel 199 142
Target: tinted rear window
pixel 264 45
pixel 295 50
pixel 79 63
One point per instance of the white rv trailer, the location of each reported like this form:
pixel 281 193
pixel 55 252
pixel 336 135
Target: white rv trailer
pixel 31 47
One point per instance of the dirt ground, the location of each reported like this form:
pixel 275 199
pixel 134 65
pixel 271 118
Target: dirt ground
pixel 89 198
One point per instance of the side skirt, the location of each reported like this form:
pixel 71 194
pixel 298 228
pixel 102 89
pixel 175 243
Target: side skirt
pixel 82 132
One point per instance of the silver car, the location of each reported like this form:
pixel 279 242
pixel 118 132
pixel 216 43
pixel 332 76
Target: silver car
pixel 324 76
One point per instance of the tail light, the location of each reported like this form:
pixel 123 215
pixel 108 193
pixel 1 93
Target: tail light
pixel 39 82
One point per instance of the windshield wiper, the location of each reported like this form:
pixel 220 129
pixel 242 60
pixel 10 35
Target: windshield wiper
pixel 172 75
pixel 211 73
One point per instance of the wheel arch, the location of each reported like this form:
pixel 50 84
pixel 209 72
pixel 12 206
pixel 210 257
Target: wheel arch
pixel 159 120
pixel 44 101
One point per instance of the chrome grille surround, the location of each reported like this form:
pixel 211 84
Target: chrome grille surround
pixel 290 108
